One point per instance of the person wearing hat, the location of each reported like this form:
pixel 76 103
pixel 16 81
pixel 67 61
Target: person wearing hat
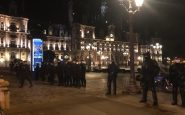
pixel 149 70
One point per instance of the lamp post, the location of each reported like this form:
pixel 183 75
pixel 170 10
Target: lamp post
pixel 131 8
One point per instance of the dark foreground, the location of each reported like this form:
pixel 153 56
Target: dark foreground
pixel 44 99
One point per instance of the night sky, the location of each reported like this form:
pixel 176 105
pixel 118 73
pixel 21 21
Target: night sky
pixel 157 18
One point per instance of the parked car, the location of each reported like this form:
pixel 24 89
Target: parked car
pixel 127 69
pixel 100 69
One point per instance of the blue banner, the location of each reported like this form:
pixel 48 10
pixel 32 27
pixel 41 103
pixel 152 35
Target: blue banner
pixel 37 52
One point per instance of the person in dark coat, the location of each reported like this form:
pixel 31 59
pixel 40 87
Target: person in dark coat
pixel 149 70
pixel 65 74
pixel 37 71
pixel 77 75
pixel 112 75
pixel 82 74
pixel 74 74
pixel 177 78
pixel 17 69
pixel 43 71
pixel 51 73
pixel 60 71
pixel 68 74
pixel 25 74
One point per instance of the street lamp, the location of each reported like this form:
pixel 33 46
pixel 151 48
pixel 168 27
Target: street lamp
pixel 131 6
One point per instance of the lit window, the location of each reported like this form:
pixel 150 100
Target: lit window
pixel 1 40
pixel 2 26
pixel 2 55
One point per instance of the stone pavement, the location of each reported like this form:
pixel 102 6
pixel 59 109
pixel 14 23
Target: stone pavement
pixel 44 99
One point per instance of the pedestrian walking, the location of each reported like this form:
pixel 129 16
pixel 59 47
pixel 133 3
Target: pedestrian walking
pixel 25 74
pixel 17 70
pixel 149 70
pixel 112 75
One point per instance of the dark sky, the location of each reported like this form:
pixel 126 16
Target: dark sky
pixel 44 10
pixel 158 18
pixel 167 20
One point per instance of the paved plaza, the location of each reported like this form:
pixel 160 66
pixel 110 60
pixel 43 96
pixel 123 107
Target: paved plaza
pixel 44 99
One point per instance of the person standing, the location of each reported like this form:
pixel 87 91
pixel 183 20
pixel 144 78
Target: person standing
pixel 82 74
pixel 177 78
pixel 37 72
pixel 112 75
pixel 51 73
pixel 68 74
pixel 17 69
pixel 60 71
pixel 149 70
pixel 43 71
pixel 182 86
pixel 25 74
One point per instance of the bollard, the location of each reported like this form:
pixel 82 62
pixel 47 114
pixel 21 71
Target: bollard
pixel 4 95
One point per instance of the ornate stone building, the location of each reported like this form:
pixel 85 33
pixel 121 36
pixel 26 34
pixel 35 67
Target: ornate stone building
pixel 14 42
pixel 81 45
pixel 100 52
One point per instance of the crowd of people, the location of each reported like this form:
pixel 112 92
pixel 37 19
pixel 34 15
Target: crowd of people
pixel 22 70
pixel 63 73
pixel 150 69
pixel 66 73
pixel 72 73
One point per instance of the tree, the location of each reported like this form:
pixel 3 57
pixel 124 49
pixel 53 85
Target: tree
pixel 48 56
pixel 37 31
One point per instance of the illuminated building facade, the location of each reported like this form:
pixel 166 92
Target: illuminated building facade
pixel 101 52
pixel 81 45
pixel 14 42
pixel 96 52
pixel 58 40
pixel 155 49
pixel 60 45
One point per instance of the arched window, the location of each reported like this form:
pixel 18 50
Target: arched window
pixel 13 27
pixel 12 55
pixel 2 25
